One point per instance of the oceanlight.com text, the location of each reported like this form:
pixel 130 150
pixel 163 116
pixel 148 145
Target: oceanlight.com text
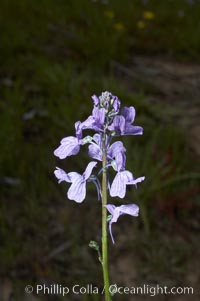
pixel 90 289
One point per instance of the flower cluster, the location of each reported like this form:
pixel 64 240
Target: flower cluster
pixel 108 121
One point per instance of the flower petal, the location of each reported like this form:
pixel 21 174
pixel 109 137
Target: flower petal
pixel 88 123
pixel 119 124
pixel 130 209
pixel 88 170
pixel 99 117
pixel 115 214
pixel 129 114
pixel 61 175
pixel 94 149
pixel 80 126
pixel 74 176
pixel 110 230
pixel 116 103
pixel 118 187
pixel 120 160
pixel 117 152
pixel 96 100
pixel 78 129
pixel 77 191
pixel 115 148
pixel 95 152
pixel 133 130
pixel 97 139
pixel 127 175
pixel 135 181
pixel 69 146
pixel 110 208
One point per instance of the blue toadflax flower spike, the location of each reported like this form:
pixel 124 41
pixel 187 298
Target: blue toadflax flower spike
pixel 107 120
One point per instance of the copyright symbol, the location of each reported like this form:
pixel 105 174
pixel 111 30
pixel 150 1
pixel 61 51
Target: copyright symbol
pixel 113 289
pixel 28 289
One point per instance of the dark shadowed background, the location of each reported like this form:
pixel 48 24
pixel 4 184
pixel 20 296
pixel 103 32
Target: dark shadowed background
pixel 53 56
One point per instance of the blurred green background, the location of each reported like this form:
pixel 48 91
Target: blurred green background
pixel 53 56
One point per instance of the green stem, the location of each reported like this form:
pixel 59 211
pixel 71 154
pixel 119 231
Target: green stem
pixel 104 227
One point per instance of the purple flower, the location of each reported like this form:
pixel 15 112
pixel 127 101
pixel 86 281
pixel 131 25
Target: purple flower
pixel 123 178
pixel 69 146
pixel 116 148
pixel 80 126
pixel 129 114
pixel 115 152
pixel 77 190
pixel 122 124
pixel 95 122
pixel 130 209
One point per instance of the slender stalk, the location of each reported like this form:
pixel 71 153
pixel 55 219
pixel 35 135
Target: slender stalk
pixel 104 226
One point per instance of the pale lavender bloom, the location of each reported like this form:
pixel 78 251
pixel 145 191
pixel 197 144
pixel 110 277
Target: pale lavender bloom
pixel 116 148
pixel 115 152
pixel 122 124
pixel 77 190
pixel 118 187
pixel 129 114
pixel 80 126
pixel 130 209
pixel 118 125
pixel 69 146
pixel 123 178
pixel 120 161
pixel 95 122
